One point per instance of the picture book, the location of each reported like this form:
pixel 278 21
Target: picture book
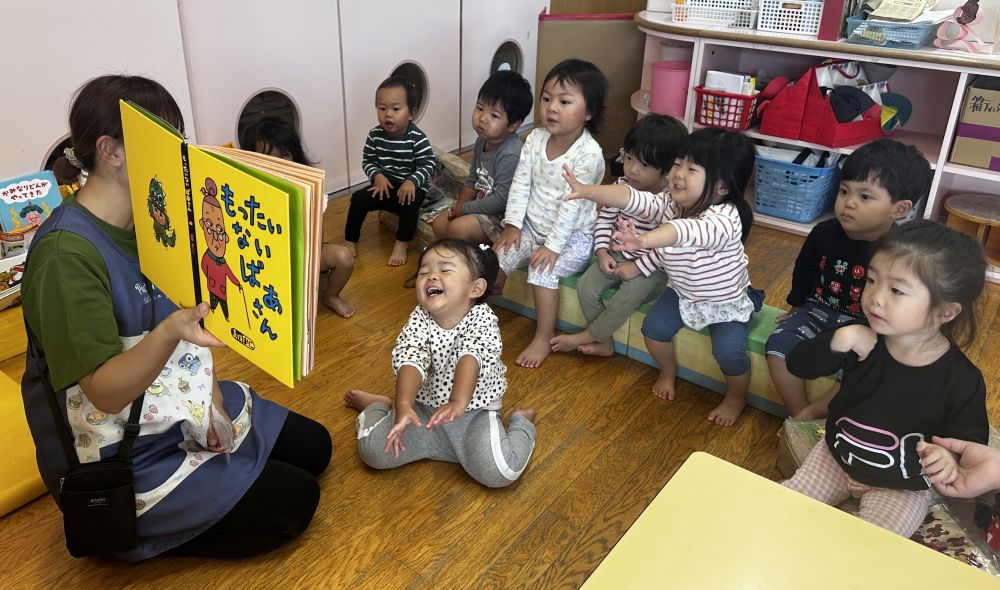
pixel 25 202
pixel 238 230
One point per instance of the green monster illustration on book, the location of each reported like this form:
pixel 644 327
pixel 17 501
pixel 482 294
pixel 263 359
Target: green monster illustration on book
pixel 156 203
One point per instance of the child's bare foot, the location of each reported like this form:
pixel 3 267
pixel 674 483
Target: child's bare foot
pixel 533 354
pixel 339 306
pixel 525 412
pixel 606 348
pixel 664 386
pixel 398 255
pixel 359 400
pixel 568 342
pixel 352 247
pixel 726 413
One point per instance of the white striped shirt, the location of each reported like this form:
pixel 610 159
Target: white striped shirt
pixel 608 219
pixel 538 188
pixel 708 263
pixel 407 156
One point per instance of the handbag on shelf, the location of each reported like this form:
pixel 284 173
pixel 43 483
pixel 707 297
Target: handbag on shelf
pixel 97 499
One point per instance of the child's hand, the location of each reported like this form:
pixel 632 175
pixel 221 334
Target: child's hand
pixel 380 187
pixel 577 190
pixel 628 270
pixel 454 212
pixel 857 338
pixel 407 192
pixel 446 414
pixel 606 262
pixel 183 325
pixel 627 237
pixel 978 469
pixel 404 416
pixel 784 316
pixel 938 463
pixel 511 236
pixel 542 259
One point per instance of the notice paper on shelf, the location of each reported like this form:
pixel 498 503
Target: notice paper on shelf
pixel 898 10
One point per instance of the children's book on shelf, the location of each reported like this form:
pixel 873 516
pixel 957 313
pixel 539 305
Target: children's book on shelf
pixel 11 271
pixel 26 202
pixel 238 230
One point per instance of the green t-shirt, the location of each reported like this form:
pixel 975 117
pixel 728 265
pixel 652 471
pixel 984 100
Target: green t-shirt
pixel 66 295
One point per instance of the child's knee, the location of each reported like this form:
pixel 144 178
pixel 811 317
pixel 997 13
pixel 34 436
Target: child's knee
pixel 486 459
pixel 732 360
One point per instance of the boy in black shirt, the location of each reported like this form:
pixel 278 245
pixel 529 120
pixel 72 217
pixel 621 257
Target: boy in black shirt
pixel 879 184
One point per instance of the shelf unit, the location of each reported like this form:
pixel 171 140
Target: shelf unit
pixel 934 80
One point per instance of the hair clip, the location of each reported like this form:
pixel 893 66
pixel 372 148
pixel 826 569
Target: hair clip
pixel 483 247
pixel 70 154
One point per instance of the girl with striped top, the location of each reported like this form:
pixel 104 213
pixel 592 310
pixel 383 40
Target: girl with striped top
pixel 649 150
pixel 705 221
pixel 398 160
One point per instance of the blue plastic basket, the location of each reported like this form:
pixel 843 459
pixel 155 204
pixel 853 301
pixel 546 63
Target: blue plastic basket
pixel 793 191
pixel 892 35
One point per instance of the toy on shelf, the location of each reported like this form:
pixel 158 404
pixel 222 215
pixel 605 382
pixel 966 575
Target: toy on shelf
pixel 953 32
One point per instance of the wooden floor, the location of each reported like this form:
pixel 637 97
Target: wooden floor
pixel 605 448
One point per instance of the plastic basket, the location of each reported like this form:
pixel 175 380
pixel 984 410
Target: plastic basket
pixel 738 14
pixel 793 191
pixel 893 35
pixel 722 109
pixel 789 16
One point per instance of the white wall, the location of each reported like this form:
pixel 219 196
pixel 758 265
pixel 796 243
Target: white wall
pixel 296 51
pixel 52 47
pixel 487 24
pixel 377 36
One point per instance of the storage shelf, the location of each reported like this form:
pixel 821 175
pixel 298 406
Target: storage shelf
pixel 928 144
pixel 794 227
pixel 971 171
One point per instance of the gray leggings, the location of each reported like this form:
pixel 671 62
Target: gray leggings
pixel 492 455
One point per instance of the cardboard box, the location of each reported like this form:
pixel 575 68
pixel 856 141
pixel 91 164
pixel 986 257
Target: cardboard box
pixel 977 135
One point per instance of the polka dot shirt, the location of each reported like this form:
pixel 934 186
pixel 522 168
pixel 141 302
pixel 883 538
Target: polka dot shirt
pixel 435 352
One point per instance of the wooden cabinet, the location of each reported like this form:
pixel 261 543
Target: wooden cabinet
pixel 934 80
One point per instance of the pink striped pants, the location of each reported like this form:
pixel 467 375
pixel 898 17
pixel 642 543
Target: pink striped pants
pixel 820 477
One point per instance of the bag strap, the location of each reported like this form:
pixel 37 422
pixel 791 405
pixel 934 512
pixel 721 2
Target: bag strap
pixel 65 434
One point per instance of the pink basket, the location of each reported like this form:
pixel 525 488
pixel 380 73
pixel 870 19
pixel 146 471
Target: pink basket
pixel 668 96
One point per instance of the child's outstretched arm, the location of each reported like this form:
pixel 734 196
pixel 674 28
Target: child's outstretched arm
pixel 606 195
pixel 408 380
pixel 466 375
pixel 628 238
pixel 113 386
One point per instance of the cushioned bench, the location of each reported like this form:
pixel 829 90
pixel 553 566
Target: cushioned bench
pixel 694 349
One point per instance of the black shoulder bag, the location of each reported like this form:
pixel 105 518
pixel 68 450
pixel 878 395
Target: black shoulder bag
pixel 97 499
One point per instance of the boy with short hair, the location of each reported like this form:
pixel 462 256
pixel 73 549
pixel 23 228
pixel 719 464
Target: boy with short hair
pixel 504 101
pixel 879 184
pixel 398 160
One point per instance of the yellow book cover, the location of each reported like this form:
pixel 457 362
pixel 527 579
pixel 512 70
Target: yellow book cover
pixel 212 229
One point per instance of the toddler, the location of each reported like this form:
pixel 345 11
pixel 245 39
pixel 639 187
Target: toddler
pixel 398 160
pixel 700 246
pixel 878 185
pixel 275 137
pixel 649 153
pixel 904 379
pixel 504 101
pixel 449 377
pixel 552 235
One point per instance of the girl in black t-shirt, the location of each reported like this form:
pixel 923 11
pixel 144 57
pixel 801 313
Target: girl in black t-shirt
pixel 905 379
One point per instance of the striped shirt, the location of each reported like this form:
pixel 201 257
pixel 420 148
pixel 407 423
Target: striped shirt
pixel 708 263
pixel 608 219
pixel 538 188
pixel 407 156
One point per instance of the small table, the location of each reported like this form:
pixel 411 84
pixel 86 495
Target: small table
pixel 982 210
pixel 716 525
